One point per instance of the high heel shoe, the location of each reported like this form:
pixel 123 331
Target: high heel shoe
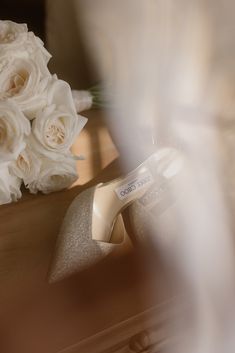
pixel 75 248
pixel 93 220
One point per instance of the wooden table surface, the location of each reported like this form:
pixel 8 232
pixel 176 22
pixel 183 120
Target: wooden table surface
pixel 36 317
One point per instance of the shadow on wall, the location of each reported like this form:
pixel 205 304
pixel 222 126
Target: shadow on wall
pixel 25 11
pixel 65 41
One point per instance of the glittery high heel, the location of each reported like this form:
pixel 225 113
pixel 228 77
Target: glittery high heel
pixel 93 218
pixel 75 248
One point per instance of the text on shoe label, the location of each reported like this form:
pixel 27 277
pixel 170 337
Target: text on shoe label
pixel 134 185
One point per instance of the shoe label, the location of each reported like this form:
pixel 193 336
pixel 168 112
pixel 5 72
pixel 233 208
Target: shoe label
pixel 140 182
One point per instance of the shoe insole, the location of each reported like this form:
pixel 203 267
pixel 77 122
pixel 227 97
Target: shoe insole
pixel 111 198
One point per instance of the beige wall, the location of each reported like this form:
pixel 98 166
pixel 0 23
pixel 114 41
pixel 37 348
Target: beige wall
pixel 65 42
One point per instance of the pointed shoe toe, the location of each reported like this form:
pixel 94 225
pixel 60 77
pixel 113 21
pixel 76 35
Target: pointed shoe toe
pixel 75 248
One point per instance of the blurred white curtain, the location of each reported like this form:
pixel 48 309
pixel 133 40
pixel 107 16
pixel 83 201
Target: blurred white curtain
pixel 171 65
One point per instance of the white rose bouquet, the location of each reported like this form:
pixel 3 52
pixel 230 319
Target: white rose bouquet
pixel 39 118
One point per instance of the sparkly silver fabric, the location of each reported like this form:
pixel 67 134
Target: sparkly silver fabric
pixel 75 248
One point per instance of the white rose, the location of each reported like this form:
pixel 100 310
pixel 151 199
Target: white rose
pixel 15 184
pixel 11 32
pixel 27 166
pixel 59 93
pixel 5 194
pixel 24 82
pixel 9 185
pixel 14 128
pixel 54 175
pixel 15 40
pixel 55 130
pixel 34 46
pixel 57 126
